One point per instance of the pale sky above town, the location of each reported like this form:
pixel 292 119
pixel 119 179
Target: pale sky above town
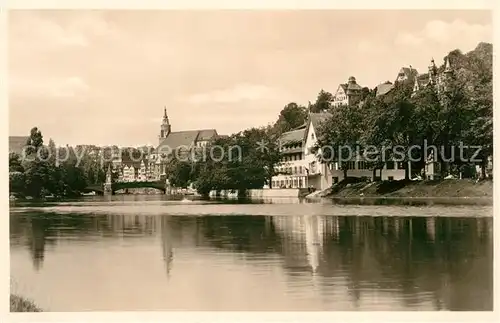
pixel 104 77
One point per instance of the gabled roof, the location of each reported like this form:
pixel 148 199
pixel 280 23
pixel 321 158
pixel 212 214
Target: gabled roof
pixel 292 137
pixel 186 139
pixel 206 134
pixel 17 143
pixel 315 119
pixel 350 87
pixel 423 79
pixel 354 87
pixel 343 86
pixel 408 72
pixel 384 88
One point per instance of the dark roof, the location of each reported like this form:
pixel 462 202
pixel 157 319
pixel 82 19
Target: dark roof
pixel 354 86
pixel 351 87
pixel 315 119
pixel 187 138
pixel 17 143
pixel 292 151
pixel 423 79
pixel 409 72
pixel 384 88
pixel 291 137
pixel 206 134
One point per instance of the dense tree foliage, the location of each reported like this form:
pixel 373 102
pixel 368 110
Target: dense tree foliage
pixel 461 113
pixel 458 112
pixel 47 170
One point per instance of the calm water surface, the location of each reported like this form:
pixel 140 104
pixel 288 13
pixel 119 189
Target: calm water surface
pixel 147 253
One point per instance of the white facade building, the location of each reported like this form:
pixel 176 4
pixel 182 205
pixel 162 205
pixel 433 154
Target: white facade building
pixel 301 167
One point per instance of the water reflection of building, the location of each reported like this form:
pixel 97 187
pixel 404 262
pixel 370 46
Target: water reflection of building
pixel 440 263
pixel 166 239
pixel 302 240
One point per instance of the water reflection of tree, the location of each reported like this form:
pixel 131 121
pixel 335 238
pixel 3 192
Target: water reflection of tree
pixel 36 230
pixel 167 242
pixel 398 255
pixel 449 259
pixel 251 234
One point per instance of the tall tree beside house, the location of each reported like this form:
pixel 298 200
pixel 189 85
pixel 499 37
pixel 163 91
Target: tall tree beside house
pixel 323 102
pixel 342 132
pixel 17 182
pixel 291 117
pixel 179 172
pixel 41 172
pixel 392 123
pixel 243 161
pixel 35 141
pixel 374 134
pixel 15 163
pixel 427 123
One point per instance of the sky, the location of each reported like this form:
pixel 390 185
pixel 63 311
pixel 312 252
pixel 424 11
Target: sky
pixel 104 77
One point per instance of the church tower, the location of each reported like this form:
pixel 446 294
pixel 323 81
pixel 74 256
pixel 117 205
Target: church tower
pixel 432 73
pixel 165 125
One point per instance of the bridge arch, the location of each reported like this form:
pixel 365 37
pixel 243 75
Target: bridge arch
pixel 116 186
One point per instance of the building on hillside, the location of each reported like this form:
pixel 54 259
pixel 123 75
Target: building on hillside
pixel 348 93
pixel 300 168
pixel 293 169
pixel 384 88
pixel 436 77
pixel 406 74
pixel 133 166
pixel 175 144
pixel 17 144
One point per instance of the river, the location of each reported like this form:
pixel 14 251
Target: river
pixel 148 253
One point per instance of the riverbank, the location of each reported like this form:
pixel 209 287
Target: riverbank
pixel 452 188
pixel 20 304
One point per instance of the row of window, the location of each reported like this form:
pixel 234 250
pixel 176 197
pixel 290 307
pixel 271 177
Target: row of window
pixel 288 183
pixel 285 148
pixel 366 165
pixel 291 158
pixel 296 170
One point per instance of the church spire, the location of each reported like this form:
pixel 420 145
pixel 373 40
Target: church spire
pixel 165 125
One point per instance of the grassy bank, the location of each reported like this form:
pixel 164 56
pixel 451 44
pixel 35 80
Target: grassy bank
pixel 452 188
pixel 20 304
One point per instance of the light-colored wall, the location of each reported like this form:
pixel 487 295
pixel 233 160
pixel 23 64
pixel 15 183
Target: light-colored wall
pixel 268 193
pixel 340 97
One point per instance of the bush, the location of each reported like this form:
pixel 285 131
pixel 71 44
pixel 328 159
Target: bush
pixel 20 304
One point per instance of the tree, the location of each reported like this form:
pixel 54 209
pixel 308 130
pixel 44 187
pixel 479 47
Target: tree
pixel 15 164
pixel 291 117
pixel 323 102
pixel 179 172
pixel 16 182
pixel 34 142
pixel 341 133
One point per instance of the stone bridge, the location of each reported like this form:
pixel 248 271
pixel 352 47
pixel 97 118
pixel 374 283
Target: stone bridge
pixel 116 186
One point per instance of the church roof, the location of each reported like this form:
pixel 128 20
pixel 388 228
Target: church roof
pixel 185 139
pixel 206 134
pixel 17 143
